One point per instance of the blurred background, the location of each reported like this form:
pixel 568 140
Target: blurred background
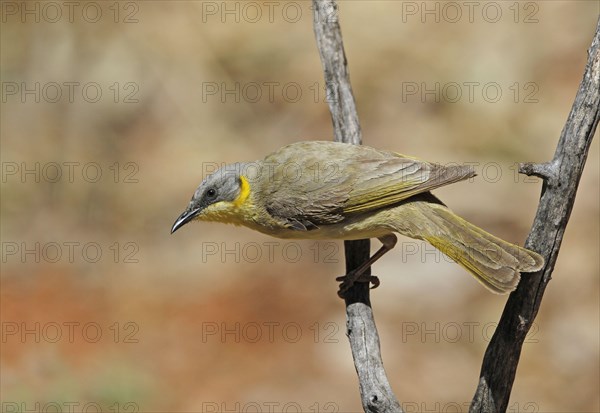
pixel 113 112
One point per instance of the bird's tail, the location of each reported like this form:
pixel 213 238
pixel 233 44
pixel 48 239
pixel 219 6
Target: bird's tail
pixel 495 263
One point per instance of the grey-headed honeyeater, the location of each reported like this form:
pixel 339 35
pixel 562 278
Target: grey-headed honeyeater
pixel 330 190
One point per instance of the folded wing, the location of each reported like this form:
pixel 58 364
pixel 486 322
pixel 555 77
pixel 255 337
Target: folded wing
pixel 318 183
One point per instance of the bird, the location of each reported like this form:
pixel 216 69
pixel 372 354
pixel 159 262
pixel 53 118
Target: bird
pixel 327 190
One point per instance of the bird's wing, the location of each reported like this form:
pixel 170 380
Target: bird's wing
pixel 384 182
pixel 317 183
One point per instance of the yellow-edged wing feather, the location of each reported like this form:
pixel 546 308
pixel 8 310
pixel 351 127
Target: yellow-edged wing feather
pixel 384 182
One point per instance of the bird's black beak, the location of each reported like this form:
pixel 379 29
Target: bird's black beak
pixel 184 218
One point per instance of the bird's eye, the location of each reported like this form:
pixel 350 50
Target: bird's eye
pixel 211 193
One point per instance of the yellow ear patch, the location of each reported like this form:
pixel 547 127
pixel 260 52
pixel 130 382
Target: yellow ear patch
pixel 235 212
pixel 244 192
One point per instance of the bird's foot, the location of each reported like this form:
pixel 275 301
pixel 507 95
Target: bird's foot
pixel 348 280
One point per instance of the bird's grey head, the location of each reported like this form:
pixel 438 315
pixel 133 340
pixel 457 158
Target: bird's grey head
pixel 216 197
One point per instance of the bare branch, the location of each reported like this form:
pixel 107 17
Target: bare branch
pixel 375 390
pixel 346 127
pixel 546 171
pixel 561 179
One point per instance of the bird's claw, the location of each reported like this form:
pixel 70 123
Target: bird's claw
pixel 348 280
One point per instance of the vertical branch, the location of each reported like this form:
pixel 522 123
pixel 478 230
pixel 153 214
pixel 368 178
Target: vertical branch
pixel 376 393
pixel 561 178
pixel 346 127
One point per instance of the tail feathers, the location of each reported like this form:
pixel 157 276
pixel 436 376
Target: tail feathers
pixel 495 263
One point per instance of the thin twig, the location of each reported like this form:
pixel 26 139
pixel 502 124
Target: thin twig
pixel 561 179
pixel 376 393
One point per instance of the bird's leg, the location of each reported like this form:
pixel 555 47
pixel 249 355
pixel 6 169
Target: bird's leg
pixel 357 275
